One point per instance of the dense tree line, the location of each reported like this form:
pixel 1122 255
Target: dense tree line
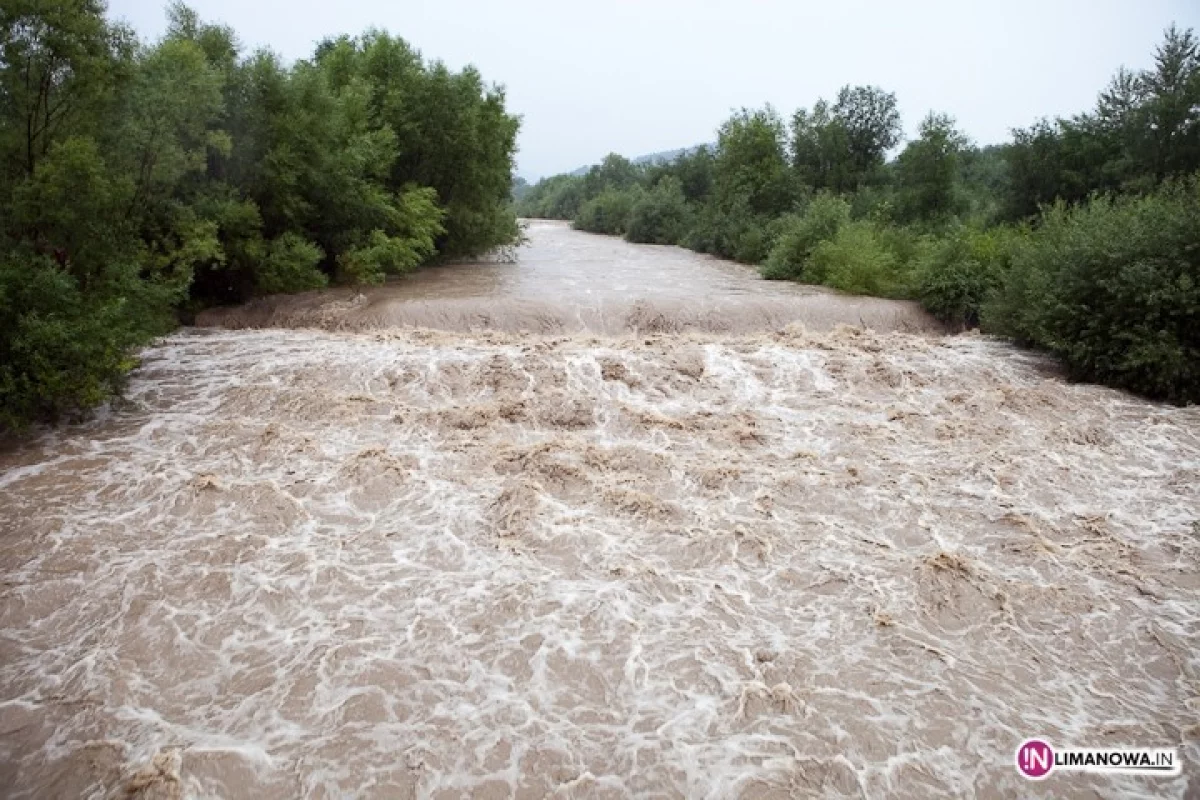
pixel 140 182
pixel 1080 236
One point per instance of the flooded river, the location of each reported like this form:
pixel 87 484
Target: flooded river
pixel 613 521
pixel 570 282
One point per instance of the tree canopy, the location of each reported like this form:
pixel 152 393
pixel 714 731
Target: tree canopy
pixel 1079 235
pixel 143 181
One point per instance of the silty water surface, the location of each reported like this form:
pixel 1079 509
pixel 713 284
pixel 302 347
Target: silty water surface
pixel 675 560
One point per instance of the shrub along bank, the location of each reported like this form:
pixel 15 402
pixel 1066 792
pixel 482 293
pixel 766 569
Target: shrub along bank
pixel 1080 236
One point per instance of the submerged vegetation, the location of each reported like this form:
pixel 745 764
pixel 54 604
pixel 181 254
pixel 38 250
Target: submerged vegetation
pixel 1081 236
pixel 140 182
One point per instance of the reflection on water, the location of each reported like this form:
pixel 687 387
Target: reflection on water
pixel 421 563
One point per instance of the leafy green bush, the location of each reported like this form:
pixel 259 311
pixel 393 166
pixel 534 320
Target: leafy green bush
pixel 907 243
pixel 77 291
pixel 751 240
pixel 608 212
pixel 290 265
pixel 661 216
pixel 1113 289
pixel 414 225
pixel 957 274
pixel 61 350
pixel 825 215
pixel 701 234
pixel 856 260
pixel 873 201
pixel 735 232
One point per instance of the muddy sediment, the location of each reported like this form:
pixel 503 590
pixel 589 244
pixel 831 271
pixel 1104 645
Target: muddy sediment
pixel 423 563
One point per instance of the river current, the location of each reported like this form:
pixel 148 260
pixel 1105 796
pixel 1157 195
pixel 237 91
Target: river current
pixel 610 521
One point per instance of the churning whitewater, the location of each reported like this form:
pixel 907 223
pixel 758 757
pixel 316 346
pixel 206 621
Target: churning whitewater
pixel 661 546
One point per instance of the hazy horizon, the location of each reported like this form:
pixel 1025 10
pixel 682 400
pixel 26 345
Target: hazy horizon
pixel 639 78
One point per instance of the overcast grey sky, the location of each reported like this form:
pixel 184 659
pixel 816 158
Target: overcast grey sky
pixel 639 77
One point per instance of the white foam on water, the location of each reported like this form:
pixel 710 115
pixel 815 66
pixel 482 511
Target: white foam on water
pixel 432 564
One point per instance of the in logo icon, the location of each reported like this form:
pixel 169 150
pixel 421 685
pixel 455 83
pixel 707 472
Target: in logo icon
pixel 1035 759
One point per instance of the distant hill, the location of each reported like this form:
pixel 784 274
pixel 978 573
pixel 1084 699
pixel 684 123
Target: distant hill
pixel 650 158
pixel 665 155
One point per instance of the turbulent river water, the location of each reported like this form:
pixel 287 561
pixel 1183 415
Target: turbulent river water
pixel 612 521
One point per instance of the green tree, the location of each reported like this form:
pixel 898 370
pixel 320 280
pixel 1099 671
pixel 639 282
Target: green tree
pixel 843 146
pixel 60 63
pixel 751 163
pixel 452 134
pixel 985 181
pixel 72 299
pixel 141 181
pixel 695 174
pixel 614 172
pixel 928 172
pixel 871 121
pixel 1172 106
pixel 557 197
pixel 1144 130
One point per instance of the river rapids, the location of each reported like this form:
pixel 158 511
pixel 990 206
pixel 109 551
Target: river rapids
pixel 612 521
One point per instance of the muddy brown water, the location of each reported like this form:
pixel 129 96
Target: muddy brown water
pixel 570 282
pixel 715 556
